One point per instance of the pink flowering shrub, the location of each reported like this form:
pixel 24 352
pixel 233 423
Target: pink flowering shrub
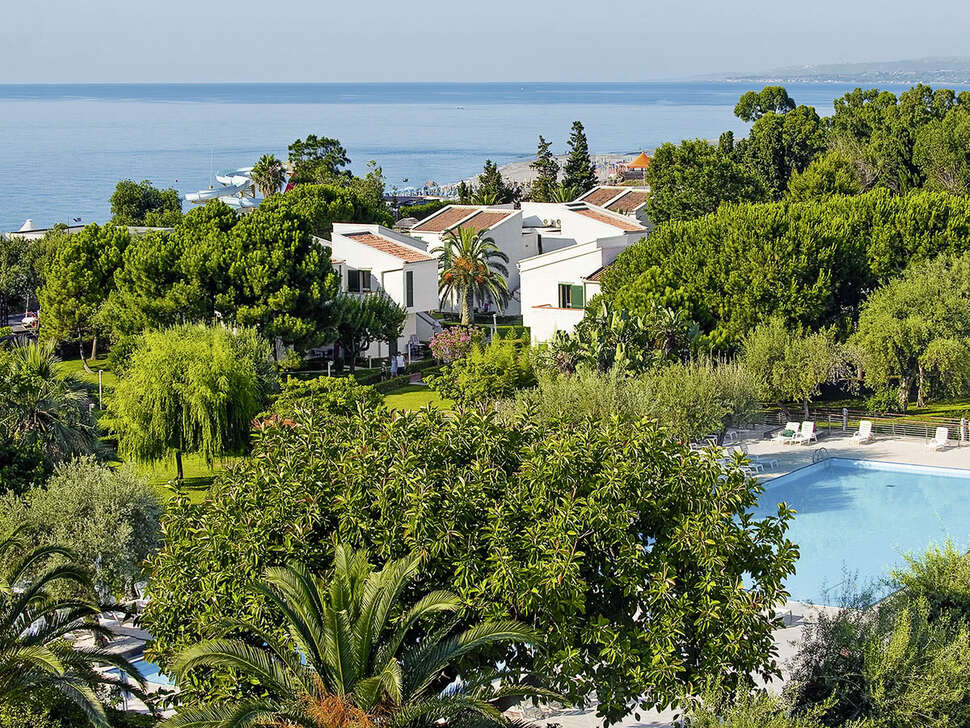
pixel 454 343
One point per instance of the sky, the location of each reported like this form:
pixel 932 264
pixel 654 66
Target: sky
pixel 126 41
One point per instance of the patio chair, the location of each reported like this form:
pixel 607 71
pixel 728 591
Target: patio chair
pixel 787 436
pixel 759 460
pixel 807 433
pixel 940 440
pixel 864 434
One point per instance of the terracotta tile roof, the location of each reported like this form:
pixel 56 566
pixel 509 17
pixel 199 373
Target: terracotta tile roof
pixel 629 202
pixel 609 220
pixel 485 219
pixel 599 196
pixel 443 220
pixel 597 274
pixel 392 247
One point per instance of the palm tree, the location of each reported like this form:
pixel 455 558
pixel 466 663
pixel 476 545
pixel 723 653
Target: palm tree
pixel 564 193
pixel 358 659
pixel 38 402
pixel 469 269
pixel 268 175
pixel 34 655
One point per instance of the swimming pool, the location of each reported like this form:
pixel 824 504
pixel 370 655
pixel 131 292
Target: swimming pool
pixel 152 672
pixel 857 518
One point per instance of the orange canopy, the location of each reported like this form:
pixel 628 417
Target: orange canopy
pixel 641 162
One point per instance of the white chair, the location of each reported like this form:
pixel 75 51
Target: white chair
pixel 792 432
pixel 807 434
pixel 759 460
pixel 940 440
pixel 864 434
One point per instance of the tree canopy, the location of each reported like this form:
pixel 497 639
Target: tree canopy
pixel 603 537
pixel 134 203
pixel 578 171
pixel 318 159
pixel 547 173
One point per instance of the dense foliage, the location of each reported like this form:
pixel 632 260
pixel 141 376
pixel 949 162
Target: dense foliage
pixel 811 263
pixel 543 186
pixel 109 519
pixel 578 173
pixel 364 319
pixel 602 536
pixel 486 373
pixel 134 203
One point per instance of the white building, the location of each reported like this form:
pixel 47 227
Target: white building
pixel 372 258
pixel 576 246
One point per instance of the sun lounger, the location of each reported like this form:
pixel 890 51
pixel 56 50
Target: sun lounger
pixel 940 439
pixel 788 435
pixel 759 461
pixel 807 434
pixel 864 434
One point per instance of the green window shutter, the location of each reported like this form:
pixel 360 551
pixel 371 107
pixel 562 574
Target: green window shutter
pixel 576 299
pixel 409 288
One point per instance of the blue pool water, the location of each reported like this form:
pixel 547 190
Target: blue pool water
pixel 152 672
pixel 858 518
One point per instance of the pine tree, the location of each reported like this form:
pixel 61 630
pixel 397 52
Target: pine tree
pixel 578 171
pixel 492 189
pixel 547 174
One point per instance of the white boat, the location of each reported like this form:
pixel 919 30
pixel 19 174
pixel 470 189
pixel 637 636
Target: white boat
pixel 240 203
pixel 214 192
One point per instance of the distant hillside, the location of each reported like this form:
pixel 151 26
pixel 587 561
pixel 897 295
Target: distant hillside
pixel 952 70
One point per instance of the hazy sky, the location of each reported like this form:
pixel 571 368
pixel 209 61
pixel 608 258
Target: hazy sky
pixel 445 40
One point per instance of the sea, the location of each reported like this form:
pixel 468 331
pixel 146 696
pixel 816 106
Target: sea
pixel 64 147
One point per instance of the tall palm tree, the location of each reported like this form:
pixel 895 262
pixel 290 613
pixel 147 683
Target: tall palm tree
pixel 356 656
pixel 34 655
pixel 268 175
pixel 469 269
pixel 38 402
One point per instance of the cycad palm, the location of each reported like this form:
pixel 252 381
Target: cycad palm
pixel 471 265
pixel 34 655
pixel 268 175
pixel 355 646
pixel 41 403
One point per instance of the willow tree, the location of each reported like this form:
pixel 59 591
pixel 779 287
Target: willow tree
pixel 191 389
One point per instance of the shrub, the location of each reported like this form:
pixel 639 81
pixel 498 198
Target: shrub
pixel 486 374
pixel 942 577
pixel 454 343
pixel 339 395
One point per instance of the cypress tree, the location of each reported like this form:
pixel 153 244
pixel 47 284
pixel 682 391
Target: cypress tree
pixel 578 170
pixel 547 174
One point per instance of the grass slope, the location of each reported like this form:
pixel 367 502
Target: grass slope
pixel 415 396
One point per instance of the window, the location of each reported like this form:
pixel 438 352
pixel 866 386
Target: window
pixel 358 281
pixel 409 288
pixel 571 296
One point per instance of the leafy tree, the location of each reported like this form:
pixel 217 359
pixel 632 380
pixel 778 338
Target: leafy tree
pixel 578 171
pixel 492 188
pixel 781 145
pixel 547 173
pixel 268 175
pixel 78 278
pixel 134 203
pixel 366 319
pixel 827 175
pixel 941 152
pixel 812 263
pixel 593 545
pixel 190 389
pixel 470 269
pixel 19 278
pixel 42 407
pixel 339 395
pixel 284 283
pixel 369 193
pixel 351 647
pixel 904 326
pixel 770 100
pixel 35 659
pixel 109 520
pixel 318 159
pixel 319 206
pixel 693 179
pixel 792 365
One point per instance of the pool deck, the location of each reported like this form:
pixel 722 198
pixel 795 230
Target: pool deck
pixel 908 450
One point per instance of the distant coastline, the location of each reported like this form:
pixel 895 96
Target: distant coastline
pixel 933 71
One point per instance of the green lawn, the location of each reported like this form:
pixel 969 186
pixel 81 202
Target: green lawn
pixel 415 396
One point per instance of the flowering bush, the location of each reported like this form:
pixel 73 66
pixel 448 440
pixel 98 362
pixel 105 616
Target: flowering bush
pixel 454 343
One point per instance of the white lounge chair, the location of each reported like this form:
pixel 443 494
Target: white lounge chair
pixel 864 434
pixel 940 440
pixel 792 432
pixel 759 460
pixel 807 433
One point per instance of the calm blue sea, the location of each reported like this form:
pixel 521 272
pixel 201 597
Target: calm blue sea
pixel 63 147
